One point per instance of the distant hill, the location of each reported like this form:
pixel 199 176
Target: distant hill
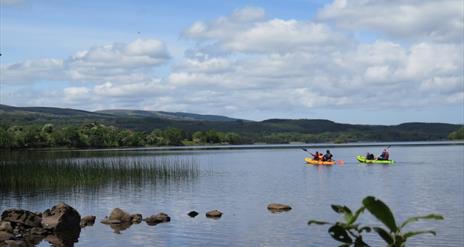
pixel 167 115
pixel 270 131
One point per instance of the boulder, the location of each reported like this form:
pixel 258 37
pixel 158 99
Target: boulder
pixel 5 226
pixel 39 231
pixel 20 216
pixel 16 243
pixel 64 238
pixel 61 217
pixel 192 214
pixel 156 219
pixel 136 218
pixel 88 220
pixel 277 207
pixel 5 236
pixel 119 214
pixel 214 214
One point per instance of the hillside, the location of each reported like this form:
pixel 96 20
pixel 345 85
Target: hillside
pixel 270 131
pixel 181 116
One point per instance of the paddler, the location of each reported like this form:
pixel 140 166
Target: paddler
pixel 327 156
pixel 384 156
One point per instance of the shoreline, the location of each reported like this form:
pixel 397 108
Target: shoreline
pixel 262 146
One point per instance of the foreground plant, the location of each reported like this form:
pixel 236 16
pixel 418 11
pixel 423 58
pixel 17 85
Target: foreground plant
pixel 350 233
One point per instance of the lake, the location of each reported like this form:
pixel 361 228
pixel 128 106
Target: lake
pixel 242 182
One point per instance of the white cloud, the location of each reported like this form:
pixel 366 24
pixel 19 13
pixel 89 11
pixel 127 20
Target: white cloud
pixel 115 62
pixel 248 31
pixel 425 19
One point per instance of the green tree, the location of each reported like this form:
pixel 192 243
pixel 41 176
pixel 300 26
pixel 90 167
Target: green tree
pixel 174 136
pixel 457 135
pixel 5 139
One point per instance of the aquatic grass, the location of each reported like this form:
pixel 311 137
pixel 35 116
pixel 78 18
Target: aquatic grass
pixel 34 174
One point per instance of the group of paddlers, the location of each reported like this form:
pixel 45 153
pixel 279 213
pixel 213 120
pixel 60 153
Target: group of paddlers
pixel 384 156
pixel 369 156
pixel 324 157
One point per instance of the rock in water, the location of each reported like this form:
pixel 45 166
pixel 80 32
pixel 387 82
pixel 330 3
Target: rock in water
pixel 88 221
pixel 119 214
pixel 136 218
pixel 20 216
pixel 158 218
pixel 193 214
pixel 214 214
pixel 61 217
pixel 277 207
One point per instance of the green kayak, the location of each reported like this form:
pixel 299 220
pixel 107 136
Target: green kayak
pixel 362 159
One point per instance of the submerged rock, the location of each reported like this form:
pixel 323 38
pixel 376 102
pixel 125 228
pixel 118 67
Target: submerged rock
pixel 119 214
pixel 118 228
pixel 23 217
pixel 88 220
pixel 158 218
pixel 193 214
pixel 277 207
pixel 136 218
pixel 61 217
pixel 214 214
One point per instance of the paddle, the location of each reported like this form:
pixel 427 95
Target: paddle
pixel 306 150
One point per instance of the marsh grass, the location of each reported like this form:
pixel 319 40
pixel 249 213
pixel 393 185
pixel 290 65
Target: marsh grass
pixel 53 173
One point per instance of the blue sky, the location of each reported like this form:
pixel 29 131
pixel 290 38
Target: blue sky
pixel 372 62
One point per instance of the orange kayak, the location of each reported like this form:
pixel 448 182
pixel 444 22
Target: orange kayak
pixel 318 162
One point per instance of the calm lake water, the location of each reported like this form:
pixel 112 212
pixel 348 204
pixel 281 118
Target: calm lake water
pixel 241 183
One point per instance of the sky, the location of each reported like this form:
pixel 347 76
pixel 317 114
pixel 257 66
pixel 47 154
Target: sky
pixel 365 61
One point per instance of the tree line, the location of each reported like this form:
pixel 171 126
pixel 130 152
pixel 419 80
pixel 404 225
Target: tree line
pixel 98 135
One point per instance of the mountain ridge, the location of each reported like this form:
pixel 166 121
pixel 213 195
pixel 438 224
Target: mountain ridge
pixel 270 130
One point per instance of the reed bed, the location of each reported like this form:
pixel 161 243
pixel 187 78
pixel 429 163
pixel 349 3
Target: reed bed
pixel 93 171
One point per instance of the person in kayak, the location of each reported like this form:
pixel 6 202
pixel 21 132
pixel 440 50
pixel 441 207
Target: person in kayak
pixel 316 156
pixel 370 156
pixel 384 156
pixel 327 156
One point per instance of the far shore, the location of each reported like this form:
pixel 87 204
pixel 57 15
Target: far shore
pixel 258 146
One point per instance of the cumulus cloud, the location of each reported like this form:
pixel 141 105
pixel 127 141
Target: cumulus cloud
pixel 247 62
pixel 424 19
pixel 113 62
pixel 248 31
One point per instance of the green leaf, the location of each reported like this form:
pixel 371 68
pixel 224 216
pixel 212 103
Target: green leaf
pixel 381 211
pixel 414 233
pixel 317 222
pixel 356 215
pixel 358 242
pixel 340 234
pixel 425 217
pixel 384 235
pixel 343 210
